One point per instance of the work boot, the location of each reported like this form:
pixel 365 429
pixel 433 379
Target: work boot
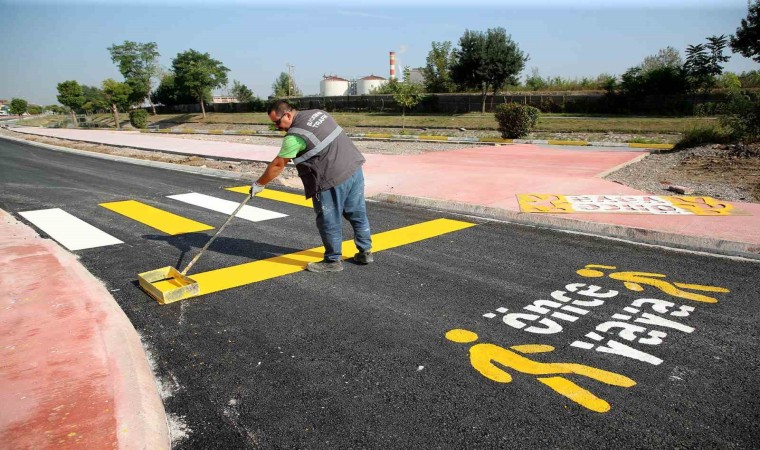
pixel 364 257
pixel 325 266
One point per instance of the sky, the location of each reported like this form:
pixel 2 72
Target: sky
pixel 44 42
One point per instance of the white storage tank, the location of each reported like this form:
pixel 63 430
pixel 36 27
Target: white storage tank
pixel 368 84
pixel 333 86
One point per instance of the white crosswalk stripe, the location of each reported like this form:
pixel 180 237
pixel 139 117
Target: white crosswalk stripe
pixel 227 207
pixel 69 231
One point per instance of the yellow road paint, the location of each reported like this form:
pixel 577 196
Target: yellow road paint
pixel 252 272
pixel 159 219
pixel 493 362
pixel 286 197
pixel 576 393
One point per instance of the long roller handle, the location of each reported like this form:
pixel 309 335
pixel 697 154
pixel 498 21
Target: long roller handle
pixel 208 244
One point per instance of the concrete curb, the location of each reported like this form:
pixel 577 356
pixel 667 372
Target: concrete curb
pixel 111 366
pixel 554 222
pixel 432 138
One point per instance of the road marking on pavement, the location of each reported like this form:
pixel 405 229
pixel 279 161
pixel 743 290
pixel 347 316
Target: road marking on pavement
pixel 269 194
pixel 227 207
pixel 69 231
pixel 252 272
pixel 161 220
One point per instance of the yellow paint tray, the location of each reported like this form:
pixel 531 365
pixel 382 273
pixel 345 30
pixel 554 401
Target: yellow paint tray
pixel 186 287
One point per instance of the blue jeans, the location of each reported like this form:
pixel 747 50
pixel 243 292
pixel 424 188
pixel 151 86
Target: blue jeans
pixel 347 200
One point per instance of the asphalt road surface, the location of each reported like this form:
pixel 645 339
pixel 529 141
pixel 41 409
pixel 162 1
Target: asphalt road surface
pixel 478 335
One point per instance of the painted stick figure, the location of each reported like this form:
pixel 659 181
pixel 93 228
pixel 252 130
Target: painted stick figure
pixel 484 356
pixel 634 280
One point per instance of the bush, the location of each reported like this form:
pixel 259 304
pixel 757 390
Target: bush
pixel 702 135
pixel 138 118
pixel 515 120
pixel 742 117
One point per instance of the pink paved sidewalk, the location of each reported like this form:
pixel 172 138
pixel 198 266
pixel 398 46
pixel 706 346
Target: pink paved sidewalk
pixel 72 370
pixel 491 177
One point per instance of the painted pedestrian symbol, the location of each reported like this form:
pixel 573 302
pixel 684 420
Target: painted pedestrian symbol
pixel 484 358
pixel 634 281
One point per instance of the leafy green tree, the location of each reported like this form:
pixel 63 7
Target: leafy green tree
pixel 487 61
pixel 284 86
pixel 241 92
pixel 666 57
pixel 661 81
pixel 747 38
pixel 168 94
pixel 407 94
pixel 386 88
pixel 534 82
pixel 118 97
pixel 18 106
pixel 703 62
pixel 138 64
pixel 729 81
pixel 55 109
pixel 437 70
pixel 34 109
pixel 70 95
pixel 750 79
pixel 198 74
pixel 94 100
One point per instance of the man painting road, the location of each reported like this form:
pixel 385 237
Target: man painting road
pixel 329 165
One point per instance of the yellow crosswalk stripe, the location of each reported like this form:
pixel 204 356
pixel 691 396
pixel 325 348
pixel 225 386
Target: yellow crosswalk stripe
pixel 153 217
pixel 252 272
pixel 287 197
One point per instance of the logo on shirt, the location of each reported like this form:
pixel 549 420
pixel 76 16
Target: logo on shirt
pixel 316 119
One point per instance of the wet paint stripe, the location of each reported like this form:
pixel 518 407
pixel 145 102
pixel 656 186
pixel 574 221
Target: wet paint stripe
pixel 251 213
pixel 69 231
pixel 269 194
pixel 161 220
pixel 240 275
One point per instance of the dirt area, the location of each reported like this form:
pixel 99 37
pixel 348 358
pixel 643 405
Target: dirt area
pixel 724 172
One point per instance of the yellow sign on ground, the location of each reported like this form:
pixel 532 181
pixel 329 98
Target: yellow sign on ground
pixel 255 271
pixel 170 223
pixel 625 204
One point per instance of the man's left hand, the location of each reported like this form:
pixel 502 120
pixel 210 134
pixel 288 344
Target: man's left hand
pixel 255 189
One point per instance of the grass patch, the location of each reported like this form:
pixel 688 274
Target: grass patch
pixel 702 135
pixel 547 123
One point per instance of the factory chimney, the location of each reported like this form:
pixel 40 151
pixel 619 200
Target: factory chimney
pixel 393 65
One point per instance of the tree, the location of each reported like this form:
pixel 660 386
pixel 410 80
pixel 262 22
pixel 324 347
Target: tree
pixel 284 86
pixel 534 82
pixel 94 100
pixel 487 61
pixel 197 74
pixel 18 106
pixel 168 94
pixel 407 94
pixel 70 94
pixel 118 96
pixel 138 63
pixel 666 57
pixel 504 60
pixel 55 109
pixel 437 71
pixel 241 92
pixel 34 109
pixel 703 62
pixel 747 38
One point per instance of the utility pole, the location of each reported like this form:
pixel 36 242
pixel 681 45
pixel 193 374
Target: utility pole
pixel 291 83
